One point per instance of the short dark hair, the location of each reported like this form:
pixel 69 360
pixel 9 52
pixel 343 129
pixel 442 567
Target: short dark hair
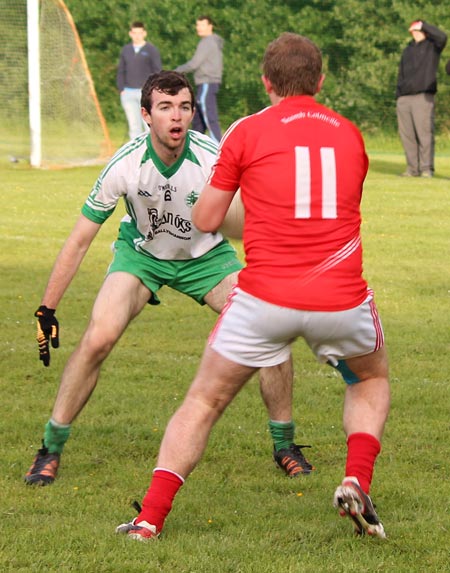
pixel 168 82
pixel 293 64
pixel 137 25
pixel 208 18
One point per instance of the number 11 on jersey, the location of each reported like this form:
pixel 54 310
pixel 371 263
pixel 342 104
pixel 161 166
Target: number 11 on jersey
pixel 303 183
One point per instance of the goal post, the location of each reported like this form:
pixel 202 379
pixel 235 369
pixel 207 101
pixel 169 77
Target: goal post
pixel 44 77
pixel 34 82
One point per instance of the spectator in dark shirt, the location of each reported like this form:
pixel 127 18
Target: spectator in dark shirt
pixel 416 86
pixel 138 60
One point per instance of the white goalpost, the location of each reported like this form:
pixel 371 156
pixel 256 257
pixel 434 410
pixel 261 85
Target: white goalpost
pixel 44 77
pixel 34 82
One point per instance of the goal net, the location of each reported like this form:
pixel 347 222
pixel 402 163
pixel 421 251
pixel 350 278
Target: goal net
pixel 68 126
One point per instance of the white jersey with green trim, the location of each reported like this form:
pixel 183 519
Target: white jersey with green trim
pixel 158 199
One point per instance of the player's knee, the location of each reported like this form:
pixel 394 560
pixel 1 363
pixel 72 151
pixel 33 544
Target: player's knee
pixel 206 398
pixel 98 342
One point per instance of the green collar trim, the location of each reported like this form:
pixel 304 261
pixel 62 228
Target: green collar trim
pixel 169 171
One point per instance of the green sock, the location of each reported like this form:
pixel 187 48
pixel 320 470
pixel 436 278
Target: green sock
pixel 55 436
pixel 282 434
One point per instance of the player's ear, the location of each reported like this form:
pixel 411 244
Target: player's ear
pixel 146 116
pixel 320 83
pixel 267 84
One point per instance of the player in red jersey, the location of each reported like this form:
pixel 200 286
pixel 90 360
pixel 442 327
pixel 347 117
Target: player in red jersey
pixel 300 167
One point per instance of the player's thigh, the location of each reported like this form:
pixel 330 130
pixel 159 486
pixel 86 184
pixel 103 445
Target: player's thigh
pixel 218 380
pixel 369 366
pixel 217 297
pixel 121 297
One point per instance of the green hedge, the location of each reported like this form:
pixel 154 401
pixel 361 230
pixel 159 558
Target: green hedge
pixel 361 43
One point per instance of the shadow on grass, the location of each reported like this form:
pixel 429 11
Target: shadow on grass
pixel 386 167
pixel 395 166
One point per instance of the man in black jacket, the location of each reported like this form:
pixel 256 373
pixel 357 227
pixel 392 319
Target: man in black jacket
pixel 416 87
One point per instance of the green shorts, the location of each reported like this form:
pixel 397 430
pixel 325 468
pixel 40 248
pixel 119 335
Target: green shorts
pixel 193 277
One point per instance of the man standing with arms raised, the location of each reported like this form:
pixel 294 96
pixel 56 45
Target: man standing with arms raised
pixel 416 89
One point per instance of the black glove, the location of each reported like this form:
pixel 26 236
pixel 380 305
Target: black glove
pixel 47 329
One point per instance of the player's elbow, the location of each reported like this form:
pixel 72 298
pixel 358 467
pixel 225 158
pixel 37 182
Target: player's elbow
pixel 205 225
pixel 203 221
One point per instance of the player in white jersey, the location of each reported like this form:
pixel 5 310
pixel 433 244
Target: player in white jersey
pixel 159 176
pixel 159 198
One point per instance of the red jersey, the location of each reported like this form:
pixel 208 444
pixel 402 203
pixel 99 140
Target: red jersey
pixel 301 168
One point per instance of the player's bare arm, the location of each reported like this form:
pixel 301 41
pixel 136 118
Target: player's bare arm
pixel 69 260
pixel 210 210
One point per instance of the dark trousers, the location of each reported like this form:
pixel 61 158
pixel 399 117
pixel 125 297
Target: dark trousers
pixel 415 114
pixel 206 116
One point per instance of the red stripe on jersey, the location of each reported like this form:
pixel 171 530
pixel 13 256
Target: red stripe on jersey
pixel 332 261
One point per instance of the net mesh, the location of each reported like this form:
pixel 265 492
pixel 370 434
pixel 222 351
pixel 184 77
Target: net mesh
pixel 73 130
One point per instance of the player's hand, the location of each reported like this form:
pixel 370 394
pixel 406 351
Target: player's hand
pixel 47 331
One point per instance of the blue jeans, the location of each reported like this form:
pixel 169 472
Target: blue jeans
pixel 131 103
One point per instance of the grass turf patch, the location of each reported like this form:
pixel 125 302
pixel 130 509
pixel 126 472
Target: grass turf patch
pixel 237 512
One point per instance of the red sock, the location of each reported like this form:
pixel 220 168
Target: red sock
pixel 157 502
pixel 362 451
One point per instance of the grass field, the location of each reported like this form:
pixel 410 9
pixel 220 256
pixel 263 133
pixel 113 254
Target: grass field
pixel 237 513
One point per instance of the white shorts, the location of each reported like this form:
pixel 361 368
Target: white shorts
pixel 256 333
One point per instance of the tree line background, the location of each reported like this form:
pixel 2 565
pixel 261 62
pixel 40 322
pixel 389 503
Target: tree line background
pixel 361 42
